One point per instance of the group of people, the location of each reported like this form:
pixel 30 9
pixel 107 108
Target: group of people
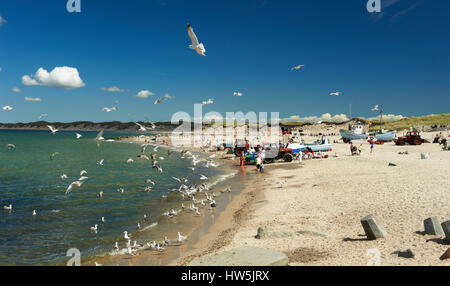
pixel 356 150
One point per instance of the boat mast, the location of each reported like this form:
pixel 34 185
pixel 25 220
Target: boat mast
pixel 381 117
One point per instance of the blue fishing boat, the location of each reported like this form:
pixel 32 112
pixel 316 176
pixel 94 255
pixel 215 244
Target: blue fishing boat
pixel 320 145
pixel 386 136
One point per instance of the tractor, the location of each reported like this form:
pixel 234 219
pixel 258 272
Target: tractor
pixel 411 138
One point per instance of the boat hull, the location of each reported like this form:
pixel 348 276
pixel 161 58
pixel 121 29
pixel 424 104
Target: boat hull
pixel 320 147
pixel 353 136
pixel 386 137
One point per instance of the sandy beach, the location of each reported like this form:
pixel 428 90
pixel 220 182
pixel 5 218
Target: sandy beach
pixel 315 219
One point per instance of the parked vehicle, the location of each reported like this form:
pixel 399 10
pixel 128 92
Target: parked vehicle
pixel 411 138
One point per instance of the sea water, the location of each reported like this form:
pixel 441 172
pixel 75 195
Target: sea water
pixel 30 180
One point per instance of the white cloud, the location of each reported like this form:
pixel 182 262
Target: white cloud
pixel 16 89
pixel 388 117
pixel 113 89
pixel 2 21
pixel 59 77
pixel 35 99
pixel 324 117
pixel 144 94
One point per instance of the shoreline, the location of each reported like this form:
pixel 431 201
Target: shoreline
pixel 200 231
pixel 300 208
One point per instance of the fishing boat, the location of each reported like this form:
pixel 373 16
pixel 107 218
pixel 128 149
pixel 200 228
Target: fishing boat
pixel 354 132
pixel 386 136
pixel 320 145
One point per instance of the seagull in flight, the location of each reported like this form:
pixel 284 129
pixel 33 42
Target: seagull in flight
pixel 203 177
pixel 237 93
pixel 42 115
pixel 196 46
pixel 108 110
pixel 52 129
pixel 11 146
pixel 297 67
pixel 53 155
pixel 141 128
pixel 99 138
pixel 335 93
pixel 78 135
pixel 72 185
pixel 167 96
pixel 375 108
pixel 7 108
pixel 209 101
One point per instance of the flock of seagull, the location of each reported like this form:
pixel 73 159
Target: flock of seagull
pixel 195 195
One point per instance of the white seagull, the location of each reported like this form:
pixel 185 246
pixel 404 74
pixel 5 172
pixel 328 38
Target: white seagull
pixel 297 67
pixel 8 208
pixel 109 109
pixel 78 135
pixel 375 108
pixel 52 129
pixel 237 94
pixel 141 128
pixel 203 177
pixel 7 108
pixel 63 176
pixel 99 138
pixel 125 235
pixel 181 238
pixel 34 212
pixel 198 47
pixel 167 96
pixel 72 185
pixel 207 102
pixel 336 93
pixel 82 173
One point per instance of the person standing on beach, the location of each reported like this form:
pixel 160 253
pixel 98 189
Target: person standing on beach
pixel 242 159
pixel 258 162
pixel 371 147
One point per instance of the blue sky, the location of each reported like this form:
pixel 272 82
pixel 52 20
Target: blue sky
pixel 399 58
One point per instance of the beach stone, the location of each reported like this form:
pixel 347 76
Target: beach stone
pixel 263 232
pixel 433 226
pixel 424 155
pixel 243 256
pixel 372 229
pixel 446 229
pixel 446 255
pixel 392 164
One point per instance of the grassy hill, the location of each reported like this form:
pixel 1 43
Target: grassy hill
pixel 406 123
